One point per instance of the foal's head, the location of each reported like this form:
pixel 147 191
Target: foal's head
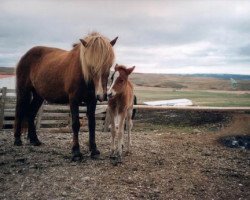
pixel 119 80
pixel 97 57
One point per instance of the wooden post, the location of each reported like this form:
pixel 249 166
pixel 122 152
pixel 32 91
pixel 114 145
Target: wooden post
pixel 39 117
pixel 3 98
pixel 107 121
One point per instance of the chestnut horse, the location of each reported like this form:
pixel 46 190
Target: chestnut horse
pixel 59 76
pixel 120 107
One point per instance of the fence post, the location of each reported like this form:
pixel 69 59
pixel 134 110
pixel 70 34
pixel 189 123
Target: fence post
pixel 3 98
pixel 107 121
pixel 39 117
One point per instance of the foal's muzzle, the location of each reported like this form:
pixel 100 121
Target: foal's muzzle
pixel 110 95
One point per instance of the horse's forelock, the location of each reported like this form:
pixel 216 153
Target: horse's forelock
pixel 97 57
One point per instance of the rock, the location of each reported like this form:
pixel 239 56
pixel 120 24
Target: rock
pixel 86 178
pixel 64 194
pixel 206 153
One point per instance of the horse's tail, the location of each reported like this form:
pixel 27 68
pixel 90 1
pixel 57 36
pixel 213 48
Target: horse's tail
pixel 134 110
pixel 23 95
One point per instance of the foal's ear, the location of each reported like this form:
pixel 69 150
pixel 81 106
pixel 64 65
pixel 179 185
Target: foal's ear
pixel 113 41
pixel 84 43
pixel 116 67
pixel 130 70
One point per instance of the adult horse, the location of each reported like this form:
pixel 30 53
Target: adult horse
pixel 60 76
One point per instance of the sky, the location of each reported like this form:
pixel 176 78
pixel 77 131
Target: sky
pixel 157 36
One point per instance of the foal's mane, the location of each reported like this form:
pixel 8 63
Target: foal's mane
pixel 97 57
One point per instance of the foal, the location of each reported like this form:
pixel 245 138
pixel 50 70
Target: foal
pixel 121 100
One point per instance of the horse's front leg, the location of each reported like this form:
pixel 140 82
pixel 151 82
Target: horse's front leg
pixel 91 107
pixel 74 108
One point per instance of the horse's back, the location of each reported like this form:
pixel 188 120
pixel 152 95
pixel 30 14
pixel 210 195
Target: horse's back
pixel 36 55
pixel 44 69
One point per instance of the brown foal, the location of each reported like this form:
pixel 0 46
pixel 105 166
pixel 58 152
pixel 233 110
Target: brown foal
pixel 121 101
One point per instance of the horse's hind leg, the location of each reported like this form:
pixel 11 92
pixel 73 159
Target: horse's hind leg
pixel 34 107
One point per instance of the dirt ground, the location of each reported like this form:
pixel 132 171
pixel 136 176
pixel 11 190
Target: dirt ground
pixel 174 157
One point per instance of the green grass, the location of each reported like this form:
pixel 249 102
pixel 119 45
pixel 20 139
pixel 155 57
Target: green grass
pixel 201 98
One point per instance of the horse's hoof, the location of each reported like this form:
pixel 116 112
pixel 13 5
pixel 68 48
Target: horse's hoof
pixel 95 154
pixel 35 142
pixel 18 142
pixel 77 156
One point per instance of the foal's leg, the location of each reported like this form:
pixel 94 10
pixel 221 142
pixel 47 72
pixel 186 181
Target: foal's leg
pixel 91 107
pixel 120 136
pixel 130 125
pixel 74 108
pixel 34 107
pixel 113 133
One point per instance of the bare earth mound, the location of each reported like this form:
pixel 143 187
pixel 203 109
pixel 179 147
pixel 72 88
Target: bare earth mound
pixel 168 162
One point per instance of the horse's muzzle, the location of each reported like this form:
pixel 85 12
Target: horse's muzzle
pixel 102 97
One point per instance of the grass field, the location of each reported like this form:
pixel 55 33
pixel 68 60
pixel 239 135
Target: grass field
pixel 201 98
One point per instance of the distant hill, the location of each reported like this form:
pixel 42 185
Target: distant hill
pixel 7 70
pixel 223 76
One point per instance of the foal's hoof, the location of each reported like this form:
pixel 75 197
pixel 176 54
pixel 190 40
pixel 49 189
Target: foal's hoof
pixel 18 142
pixel 117 160
pixel 77 156
pixel 112 156
pixel 95 154
pixel 35 142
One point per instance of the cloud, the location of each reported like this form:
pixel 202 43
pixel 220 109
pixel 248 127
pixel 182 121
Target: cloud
pixel 162 35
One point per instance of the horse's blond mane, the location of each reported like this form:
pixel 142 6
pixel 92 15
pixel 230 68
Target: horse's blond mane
pixel 97 57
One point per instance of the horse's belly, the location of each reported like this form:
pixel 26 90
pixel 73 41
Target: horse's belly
pixel 53 95
pixel 59 100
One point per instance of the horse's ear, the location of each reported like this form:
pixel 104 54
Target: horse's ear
pixel 75 44
pixel 116 67
pixel 130 70
pixel 84 43
pixel 113 41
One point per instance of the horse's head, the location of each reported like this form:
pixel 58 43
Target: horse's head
pixel 97 57
pixel 119 80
